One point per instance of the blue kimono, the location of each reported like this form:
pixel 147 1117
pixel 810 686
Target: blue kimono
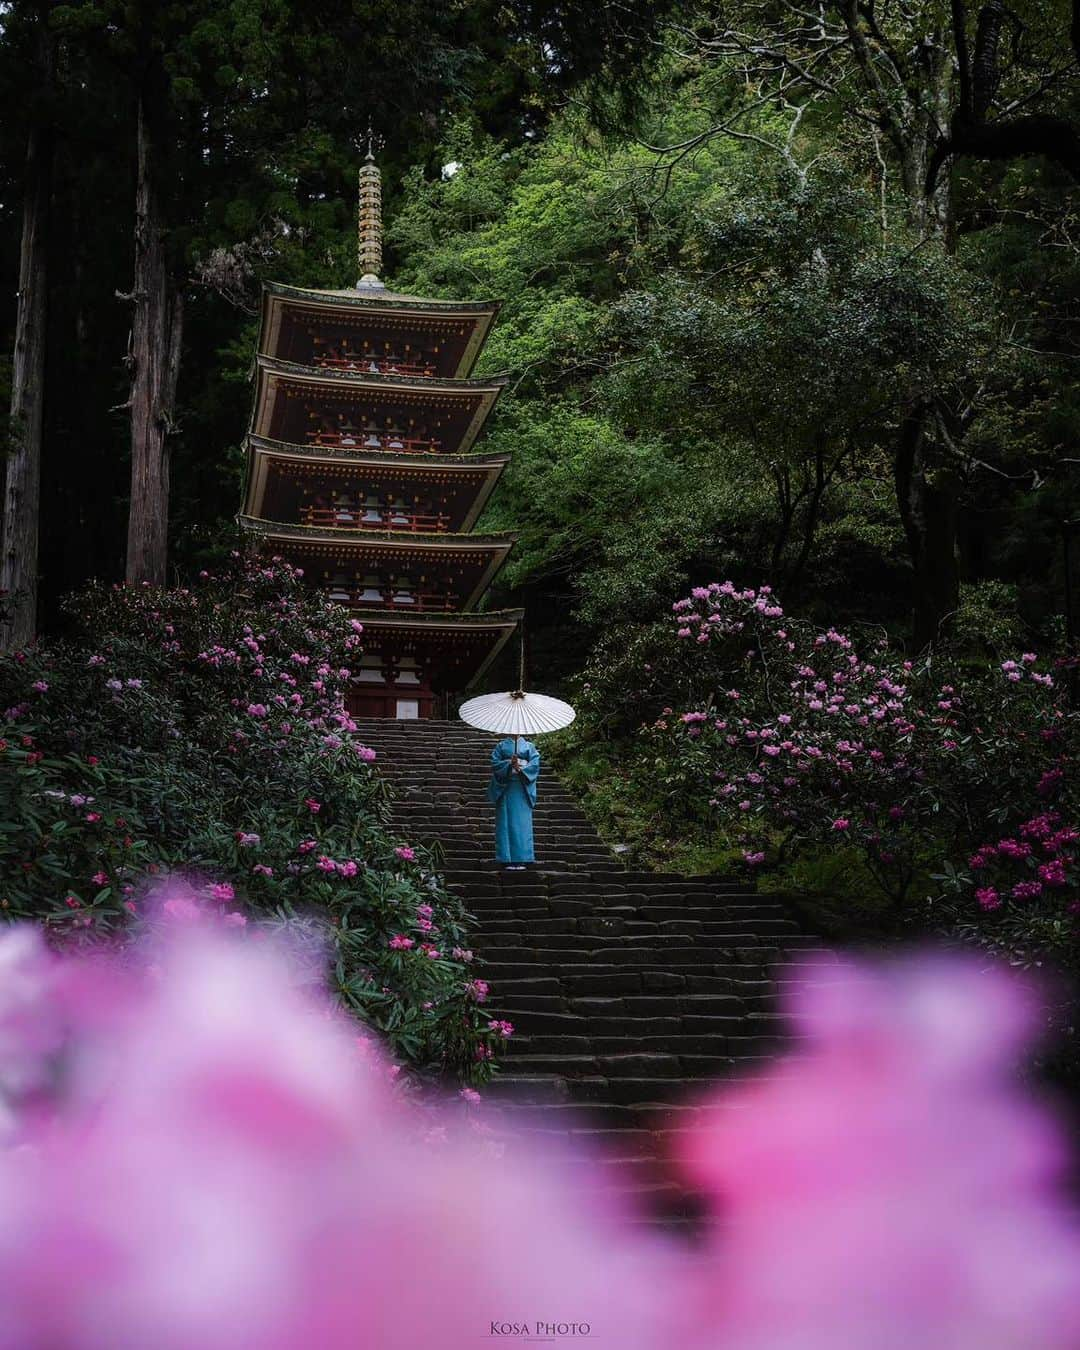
pixel 514 795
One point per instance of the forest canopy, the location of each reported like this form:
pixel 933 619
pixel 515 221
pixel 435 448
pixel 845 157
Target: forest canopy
pixel 787 295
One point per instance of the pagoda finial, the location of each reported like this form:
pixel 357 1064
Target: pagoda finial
pixel 369 219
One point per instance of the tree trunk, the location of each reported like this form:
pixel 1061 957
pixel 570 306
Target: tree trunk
pixel 19 564
pixel 927 500
pixel 156 333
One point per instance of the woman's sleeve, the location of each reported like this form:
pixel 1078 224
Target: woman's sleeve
pixel 500 774
pixel 500 763
pixel 530 769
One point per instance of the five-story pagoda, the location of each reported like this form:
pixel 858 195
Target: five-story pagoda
pixel 360 471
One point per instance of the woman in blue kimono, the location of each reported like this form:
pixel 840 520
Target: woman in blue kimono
pixel 515 767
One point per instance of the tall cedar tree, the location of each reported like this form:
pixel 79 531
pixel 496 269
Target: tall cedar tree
pixel 22 487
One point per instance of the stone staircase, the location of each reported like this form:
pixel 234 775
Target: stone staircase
pixel 628 990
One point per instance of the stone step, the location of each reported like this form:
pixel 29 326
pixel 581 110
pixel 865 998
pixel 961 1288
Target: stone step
pixel 629 991
pixel 678 1043
pixel 603 895
pixel 724 933
pixel 631 982
pixel 630 1064
pixel 662 979
pixel 619 927
pixel 606 1004
pixel 655 1117
pixel 657 959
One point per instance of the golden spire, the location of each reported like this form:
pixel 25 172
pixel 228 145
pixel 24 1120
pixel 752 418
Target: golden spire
pixel 369 220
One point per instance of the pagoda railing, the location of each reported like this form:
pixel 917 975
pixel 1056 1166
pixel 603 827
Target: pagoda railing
pixel 371 440
pixel 422 602
pixel 390 518
pixel 375 365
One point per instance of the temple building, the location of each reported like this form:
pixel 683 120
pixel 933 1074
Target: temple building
pixel 361 471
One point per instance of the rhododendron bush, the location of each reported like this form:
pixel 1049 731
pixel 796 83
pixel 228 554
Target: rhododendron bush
pixel 835 742
pixel 195 1151
pixel 202 730
pixel 940 776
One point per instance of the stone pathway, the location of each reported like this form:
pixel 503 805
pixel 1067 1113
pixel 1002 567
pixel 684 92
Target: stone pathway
pixel 627 989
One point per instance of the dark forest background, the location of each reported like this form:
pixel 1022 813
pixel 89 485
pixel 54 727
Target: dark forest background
pixel 789 294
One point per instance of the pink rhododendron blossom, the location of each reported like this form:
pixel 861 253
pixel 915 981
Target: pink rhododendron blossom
pixel 882 1187
pixel 405 853
pixel 236 1176
pixel 220 1165
pixel 32 1022
pixel 181 909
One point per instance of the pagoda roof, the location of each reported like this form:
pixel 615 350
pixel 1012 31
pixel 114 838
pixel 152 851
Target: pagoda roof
pixel 474 398
pixel 435 619
pixel 371 302
pixel 366 379
pixel 497 625
pixel 264 453
pixel 375 298
pixel 382 458
pixel 399 538
pixel 488 551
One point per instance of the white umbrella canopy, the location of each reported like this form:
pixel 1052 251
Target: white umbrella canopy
pixel 517 713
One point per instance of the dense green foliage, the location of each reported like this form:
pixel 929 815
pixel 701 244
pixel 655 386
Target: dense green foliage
pixel 257 109
pixel 709 378
pixel 717 344
pixel 199 732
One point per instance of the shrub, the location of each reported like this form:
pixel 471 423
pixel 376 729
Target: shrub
pixel 906 761
pixel 821 753
pixel 203 731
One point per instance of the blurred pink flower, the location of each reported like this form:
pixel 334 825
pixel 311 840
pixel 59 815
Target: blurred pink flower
pixel 231 1173
pixel 221 1168
pixel 884 1186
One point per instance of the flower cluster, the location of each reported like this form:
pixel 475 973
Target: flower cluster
pixel 1039 861
pixel 202 731
pixel 808 735
pixel 217 1117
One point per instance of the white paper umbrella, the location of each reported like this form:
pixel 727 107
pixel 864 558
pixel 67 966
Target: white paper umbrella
pixel 516 713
